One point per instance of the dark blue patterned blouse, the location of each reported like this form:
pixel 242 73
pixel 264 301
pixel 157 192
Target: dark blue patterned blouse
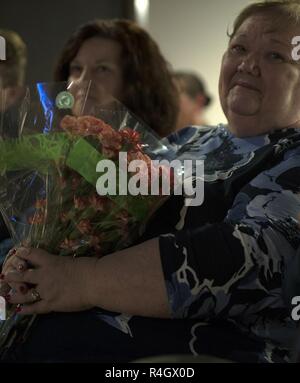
pixel 228 260
pixel 224 261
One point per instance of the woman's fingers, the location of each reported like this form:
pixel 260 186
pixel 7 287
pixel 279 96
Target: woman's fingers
pixel 13 261
pixel 30 303
pixel 4 289
pixel 27 276
pixel 34 257
pixel 20 288
pixel 18 263
pixel 34 308
pixel 8 290
pixel 30 297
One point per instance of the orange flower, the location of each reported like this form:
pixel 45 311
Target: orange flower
pixel 80 203
pixel 64 217
pixel 122 218
pixel 109 152
pixel 83 126
pixel 84 226
pixel 130 136
pixel 69 123
pixel 110 138
pixel 70 244
pixel 95 243
pixel 75 182
pixel 62 182
pixel 37 219
pixel 99 203
pixel 139 156
pixel 41 203
pixel 91 126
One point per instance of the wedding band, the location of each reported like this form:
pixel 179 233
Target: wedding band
pixel 35 295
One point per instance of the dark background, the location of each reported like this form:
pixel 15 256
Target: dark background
pixel 46 25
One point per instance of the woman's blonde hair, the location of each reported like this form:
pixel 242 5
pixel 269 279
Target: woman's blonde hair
pixel 282 12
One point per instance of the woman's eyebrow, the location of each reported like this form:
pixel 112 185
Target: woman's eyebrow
pixel 273 40
pixel 101 61
pixel 239 35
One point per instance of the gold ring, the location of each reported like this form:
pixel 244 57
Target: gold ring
pixel 35 295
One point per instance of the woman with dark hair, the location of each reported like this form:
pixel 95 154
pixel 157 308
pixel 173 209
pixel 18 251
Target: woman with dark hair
pixel 123 59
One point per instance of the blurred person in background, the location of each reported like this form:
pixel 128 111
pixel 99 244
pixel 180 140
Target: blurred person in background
pixel 193 99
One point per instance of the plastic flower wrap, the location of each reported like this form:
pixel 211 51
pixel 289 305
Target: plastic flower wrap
pixel 55 190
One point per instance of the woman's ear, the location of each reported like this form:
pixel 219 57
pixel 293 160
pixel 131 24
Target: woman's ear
pixel 200 101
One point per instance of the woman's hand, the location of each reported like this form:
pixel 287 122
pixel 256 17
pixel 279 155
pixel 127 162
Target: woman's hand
pixel 13 263
pixel 60 283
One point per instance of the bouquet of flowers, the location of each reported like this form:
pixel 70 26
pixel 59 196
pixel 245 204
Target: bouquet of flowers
pixel 77 183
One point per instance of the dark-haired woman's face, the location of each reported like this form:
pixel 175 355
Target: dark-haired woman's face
pixel 99 61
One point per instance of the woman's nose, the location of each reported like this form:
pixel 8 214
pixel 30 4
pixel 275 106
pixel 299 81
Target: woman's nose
pixel 249 65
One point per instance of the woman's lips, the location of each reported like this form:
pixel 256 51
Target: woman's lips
pixel 247 85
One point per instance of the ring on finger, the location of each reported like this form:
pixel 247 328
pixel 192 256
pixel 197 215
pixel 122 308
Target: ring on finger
pixel 35 295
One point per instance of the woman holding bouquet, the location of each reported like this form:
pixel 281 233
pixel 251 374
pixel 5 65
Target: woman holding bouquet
pixel 122 60
pixel 210 279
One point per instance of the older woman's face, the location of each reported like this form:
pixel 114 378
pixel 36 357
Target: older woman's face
pixel 259 83
pixel 97 63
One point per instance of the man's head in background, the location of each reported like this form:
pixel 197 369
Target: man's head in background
pixel 193 99
pixel 13 69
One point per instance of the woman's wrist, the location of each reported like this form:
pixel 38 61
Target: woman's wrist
pixel 85 268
